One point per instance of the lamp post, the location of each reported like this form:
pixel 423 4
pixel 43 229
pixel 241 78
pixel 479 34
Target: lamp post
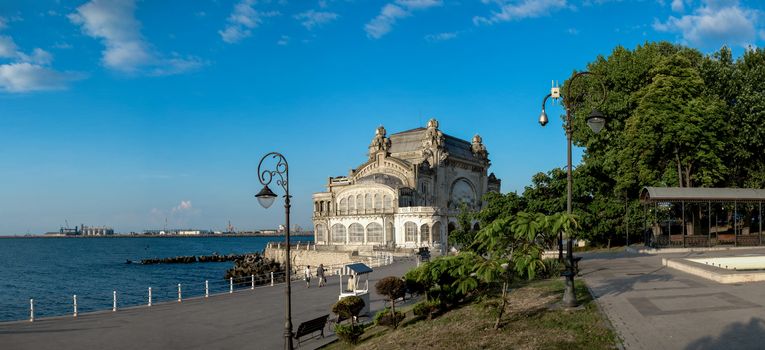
pixel 266 198
pixel 596 120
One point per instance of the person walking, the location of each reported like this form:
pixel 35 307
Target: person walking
pixel 320 275
pixel 308 276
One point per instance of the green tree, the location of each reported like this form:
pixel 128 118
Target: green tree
pixel 463 235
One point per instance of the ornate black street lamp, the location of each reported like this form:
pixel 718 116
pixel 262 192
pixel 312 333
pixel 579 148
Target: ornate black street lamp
pixel 266 198
pixel 596 120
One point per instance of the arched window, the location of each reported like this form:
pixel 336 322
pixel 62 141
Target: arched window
pixel 378 201
pixel 476 227
pixel 374 233
pixel 343 206
pixel 321 232
pixel 338 233
pixel 359 202
pixel 356 233
pixel 351 204
pixel 424 233
pixel 387 202
pixel 436 234
pixel 367 202
pixel 410 232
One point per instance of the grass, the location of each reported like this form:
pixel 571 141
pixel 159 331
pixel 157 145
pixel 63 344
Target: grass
pixel 532 321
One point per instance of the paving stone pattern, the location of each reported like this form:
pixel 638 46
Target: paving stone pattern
pixel 654 307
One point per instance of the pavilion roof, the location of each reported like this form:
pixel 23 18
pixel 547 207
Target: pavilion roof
pixel 677 194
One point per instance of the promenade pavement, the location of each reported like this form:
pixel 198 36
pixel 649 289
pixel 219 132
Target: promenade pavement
pixel 246 319
pixel 654 307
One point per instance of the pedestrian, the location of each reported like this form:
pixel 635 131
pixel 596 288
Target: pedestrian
pixel 320 275
pixel 308 276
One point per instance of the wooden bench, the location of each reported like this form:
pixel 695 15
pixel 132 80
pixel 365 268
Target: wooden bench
pixel 310 327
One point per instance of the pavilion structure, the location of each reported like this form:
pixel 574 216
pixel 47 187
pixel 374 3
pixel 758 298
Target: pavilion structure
pixel 702 217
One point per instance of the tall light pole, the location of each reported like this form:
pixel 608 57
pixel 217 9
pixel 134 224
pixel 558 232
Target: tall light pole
pixel 596 120
pixel 266 198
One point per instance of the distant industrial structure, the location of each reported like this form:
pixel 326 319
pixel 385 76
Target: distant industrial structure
pixel 96 230
pixel 83 230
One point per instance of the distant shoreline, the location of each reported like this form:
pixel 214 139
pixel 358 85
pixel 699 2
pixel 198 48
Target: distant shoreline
pixel 157 236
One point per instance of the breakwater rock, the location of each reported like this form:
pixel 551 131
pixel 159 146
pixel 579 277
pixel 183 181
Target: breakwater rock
pixel 192 259
pixel 257 265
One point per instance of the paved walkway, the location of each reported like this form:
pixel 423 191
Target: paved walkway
pixel 243 320
pixel 652 307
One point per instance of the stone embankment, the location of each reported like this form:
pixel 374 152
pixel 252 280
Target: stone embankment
pixel 192 259
pixel 256 265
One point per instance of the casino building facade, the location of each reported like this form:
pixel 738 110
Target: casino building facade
pixel 408 192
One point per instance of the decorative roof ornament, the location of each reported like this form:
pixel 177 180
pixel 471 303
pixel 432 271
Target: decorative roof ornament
pixel 434 150
pixel 380 143
pixel 479 150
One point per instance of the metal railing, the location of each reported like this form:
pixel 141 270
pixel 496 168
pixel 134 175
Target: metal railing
pixel 179 292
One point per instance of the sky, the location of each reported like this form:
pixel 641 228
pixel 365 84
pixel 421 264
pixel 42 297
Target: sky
pixel 128 113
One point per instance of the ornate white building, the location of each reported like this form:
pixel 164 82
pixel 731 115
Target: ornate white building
pixel 407 194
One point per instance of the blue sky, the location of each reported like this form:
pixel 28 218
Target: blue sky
pixel 124 113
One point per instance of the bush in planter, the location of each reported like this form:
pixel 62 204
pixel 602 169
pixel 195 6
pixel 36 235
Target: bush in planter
pixel 349 333
pixel 349 307
pixel 385 318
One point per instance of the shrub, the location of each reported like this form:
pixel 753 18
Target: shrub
pixel 552 268
pixel 393 288
pixel 426 308
pixel 348 307
pixel 385 318
pixel 349 333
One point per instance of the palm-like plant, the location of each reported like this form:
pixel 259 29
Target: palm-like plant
pixel 512 246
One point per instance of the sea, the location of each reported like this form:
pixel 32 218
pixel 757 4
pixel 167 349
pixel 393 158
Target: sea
pixel 52 270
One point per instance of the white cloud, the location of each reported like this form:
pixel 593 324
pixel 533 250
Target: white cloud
pixel 29 72
pixel 38 56
pixel 283 41
pixel 441 36
pixel 511 11
pixel 678 5
pixel 7 47
pixel 713 24
pixel 392 12
pixel 419 4
pixel 242 20
pixel 183 206
pixel 311 18
pixel 27 77
pixel 114 22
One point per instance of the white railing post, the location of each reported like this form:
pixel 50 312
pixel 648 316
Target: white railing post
pixel 207 289
pixel 31 310
pixel 114 300
pixel 149 296
pixel 272 278
pixel 179 292
pixel 252 281
pixel 75 305
pixel 230 285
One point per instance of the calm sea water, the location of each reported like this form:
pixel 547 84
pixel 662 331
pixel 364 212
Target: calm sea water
pixel 51 270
